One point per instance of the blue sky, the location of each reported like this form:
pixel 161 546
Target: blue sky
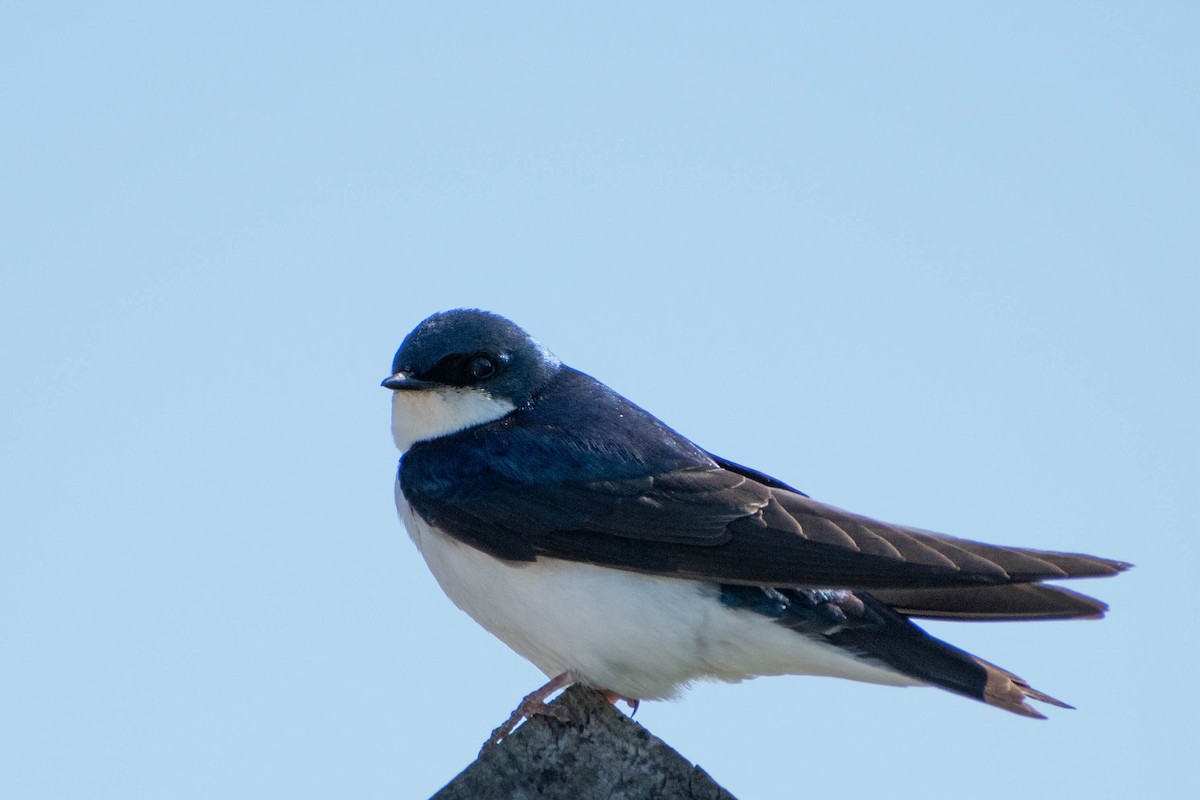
pixel 937 264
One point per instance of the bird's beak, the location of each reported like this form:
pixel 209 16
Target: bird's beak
pixel 403 381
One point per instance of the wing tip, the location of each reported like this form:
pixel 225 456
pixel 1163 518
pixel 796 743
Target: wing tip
pixel 1081 565
pixel 1004 603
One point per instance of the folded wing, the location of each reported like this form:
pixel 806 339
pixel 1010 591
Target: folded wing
pixel 728 525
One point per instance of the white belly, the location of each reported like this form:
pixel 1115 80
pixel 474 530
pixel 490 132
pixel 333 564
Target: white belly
pixel 638 635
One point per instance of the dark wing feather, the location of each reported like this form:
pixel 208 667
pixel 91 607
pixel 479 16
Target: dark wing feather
pixel 1008 603
pixel 724 525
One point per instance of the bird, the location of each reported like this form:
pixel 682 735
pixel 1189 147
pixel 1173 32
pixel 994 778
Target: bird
pixel 611 551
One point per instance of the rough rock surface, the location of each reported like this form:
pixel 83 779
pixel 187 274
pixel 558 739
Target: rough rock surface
pixel 601 753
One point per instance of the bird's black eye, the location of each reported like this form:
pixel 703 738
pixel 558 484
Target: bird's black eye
pixel 464 370
pixel 479 367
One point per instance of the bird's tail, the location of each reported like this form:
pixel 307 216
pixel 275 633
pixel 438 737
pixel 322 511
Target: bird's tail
pixel 900 645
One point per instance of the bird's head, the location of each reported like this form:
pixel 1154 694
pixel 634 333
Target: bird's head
pixel 463 368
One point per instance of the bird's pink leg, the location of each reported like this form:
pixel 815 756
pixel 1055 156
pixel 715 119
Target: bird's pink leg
pixel 613 697
pixel 533 705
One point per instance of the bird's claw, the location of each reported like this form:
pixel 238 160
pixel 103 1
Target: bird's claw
pixel 613 698
pixel 534 705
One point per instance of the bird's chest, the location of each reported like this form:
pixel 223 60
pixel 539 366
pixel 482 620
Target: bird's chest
pixel 639 635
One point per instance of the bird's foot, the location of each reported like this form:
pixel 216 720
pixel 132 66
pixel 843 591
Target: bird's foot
pixel 613 697
pixel 534 705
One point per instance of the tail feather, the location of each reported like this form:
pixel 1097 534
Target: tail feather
pixel 1005 690
pixel 899 644
pixel 866 626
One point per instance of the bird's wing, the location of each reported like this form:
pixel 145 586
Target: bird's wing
pixel 731 525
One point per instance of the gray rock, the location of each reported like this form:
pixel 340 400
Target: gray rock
pixel 600 754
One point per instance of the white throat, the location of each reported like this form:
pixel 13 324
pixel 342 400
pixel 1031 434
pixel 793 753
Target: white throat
pixel 429 413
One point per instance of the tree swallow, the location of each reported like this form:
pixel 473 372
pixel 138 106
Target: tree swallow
pixel 611 551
